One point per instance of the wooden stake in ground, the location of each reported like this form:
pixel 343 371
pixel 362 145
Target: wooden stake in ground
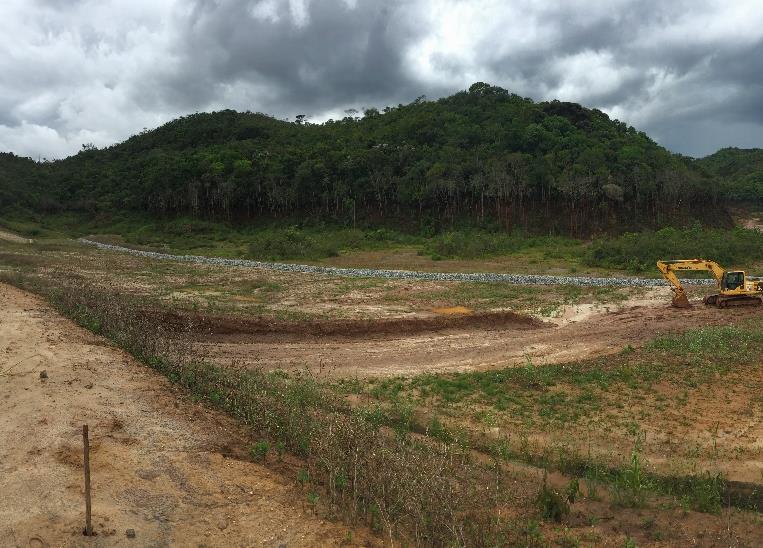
pixel 86 442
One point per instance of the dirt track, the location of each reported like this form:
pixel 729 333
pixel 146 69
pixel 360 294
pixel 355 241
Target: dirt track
pixel 158 461
pixel 587 332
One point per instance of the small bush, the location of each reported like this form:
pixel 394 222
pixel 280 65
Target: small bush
pixel 552 504
pixel 703 493
pixel 290 243
pixel 631 483
pixel 259 451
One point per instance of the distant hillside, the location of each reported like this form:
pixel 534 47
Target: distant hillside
pixel 483 156
pixel 20 179
pixel 741 172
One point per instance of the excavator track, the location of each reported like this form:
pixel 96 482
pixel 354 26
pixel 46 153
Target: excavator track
pixel 725 302
pixel 728 302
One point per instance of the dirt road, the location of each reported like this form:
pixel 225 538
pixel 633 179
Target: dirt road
pixel 586 331
pixel 158 461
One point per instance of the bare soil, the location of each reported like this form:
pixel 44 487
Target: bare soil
pixel 172 470
pixel 215 327
pixel 10 237
pixel 470 342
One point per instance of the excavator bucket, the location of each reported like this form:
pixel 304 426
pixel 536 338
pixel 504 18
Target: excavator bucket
pixel 680 300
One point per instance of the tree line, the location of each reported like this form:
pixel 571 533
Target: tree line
pixel 483 157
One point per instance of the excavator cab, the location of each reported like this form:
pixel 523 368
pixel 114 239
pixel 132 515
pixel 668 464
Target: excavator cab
pixel 732 280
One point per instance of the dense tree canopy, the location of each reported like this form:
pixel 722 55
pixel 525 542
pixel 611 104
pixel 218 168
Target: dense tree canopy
pixel 482 156
pixel 740 172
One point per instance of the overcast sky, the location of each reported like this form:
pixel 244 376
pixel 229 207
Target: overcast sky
pixel 689 73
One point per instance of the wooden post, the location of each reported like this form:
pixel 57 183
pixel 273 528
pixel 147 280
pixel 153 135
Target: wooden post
pixel 86 442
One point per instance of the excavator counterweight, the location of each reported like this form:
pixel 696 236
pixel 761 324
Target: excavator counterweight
pixel 735 287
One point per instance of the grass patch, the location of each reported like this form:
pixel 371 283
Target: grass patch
pixel 729 342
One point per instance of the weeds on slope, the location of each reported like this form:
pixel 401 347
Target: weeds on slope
pixel 405 486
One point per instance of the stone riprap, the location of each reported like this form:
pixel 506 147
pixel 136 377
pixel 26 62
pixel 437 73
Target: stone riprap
pixel 518 279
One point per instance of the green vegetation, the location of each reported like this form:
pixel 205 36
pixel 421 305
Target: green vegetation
pixel 483 157
pixel 553 504
pixel 632 252
pixel 259 451
pixel 559 393
pixel 312 244
pixel 476 244
pixel 638 252
pixel 574 397
pixel 740 170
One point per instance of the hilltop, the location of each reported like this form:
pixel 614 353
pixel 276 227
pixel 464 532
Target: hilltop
pixel 483 157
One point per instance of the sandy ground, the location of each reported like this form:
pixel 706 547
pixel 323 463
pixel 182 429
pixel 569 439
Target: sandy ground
pixel 158 463
pixel 10 237
pixel 579 332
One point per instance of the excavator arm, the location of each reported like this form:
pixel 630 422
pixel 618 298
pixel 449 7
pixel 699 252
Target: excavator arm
pixel 669 269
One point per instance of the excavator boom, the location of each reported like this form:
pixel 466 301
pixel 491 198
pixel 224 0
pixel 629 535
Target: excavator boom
pixel 735 288
pixel 669 269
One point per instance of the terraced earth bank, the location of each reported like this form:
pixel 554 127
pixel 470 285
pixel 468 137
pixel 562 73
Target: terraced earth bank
pixel 461 342
pixel 167 468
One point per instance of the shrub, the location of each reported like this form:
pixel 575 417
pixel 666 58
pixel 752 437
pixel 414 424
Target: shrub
pixel 479 244
pixel 552 504
pixel 290 243
pixel 259 451
pixel 638 252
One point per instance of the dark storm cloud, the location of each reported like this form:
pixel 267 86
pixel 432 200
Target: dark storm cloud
pixel 688 73
pixel 338 55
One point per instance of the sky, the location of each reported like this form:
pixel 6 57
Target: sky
pixel 689 73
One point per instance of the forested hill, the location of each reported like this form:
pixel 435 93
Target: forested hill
pixel 482 156
pixel 740 170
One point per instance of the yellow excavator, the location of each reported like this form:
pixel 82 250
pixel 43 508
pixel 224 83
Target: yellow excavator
pixel 735 287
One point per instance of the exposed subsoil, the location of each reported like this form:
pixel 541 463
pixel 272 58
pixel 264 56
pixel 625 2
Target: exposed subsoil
pixel 449 343
pixel 172 470
pixel 214 328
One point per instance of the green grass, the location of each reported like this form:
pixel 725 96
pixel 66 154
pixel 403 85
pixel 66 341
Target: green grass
pixel 574 396
pixel 725 343
pixel 567 393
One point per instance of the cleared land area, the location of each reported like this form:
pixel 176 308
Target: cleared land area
pixel 482 342
pixel 651 415
pixel 173 470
